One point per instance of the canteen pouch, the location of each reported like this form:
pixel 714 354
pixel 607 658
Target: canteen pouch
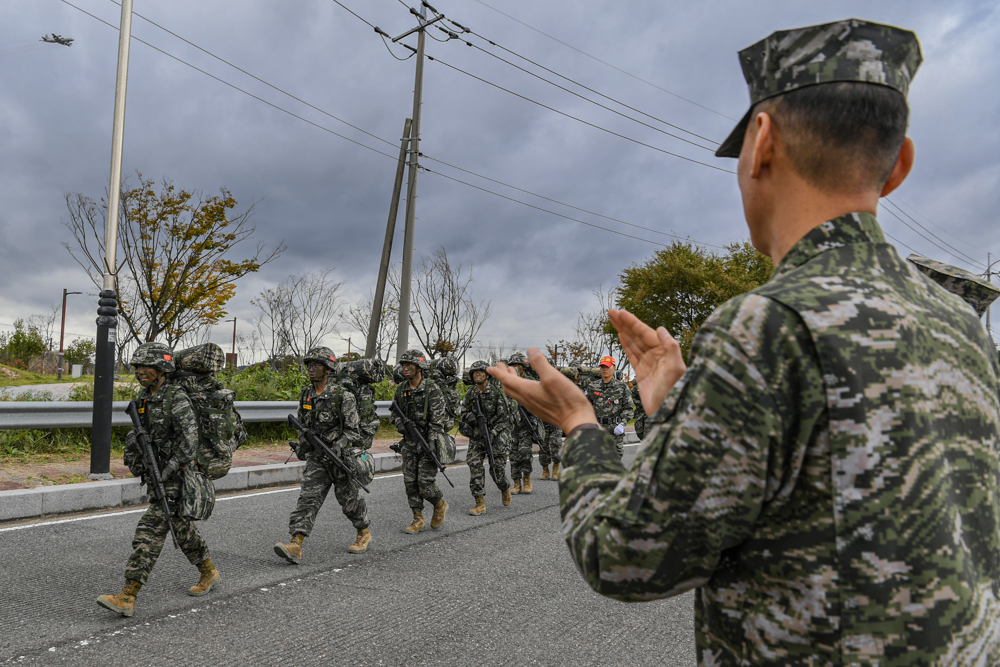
pixel 197 496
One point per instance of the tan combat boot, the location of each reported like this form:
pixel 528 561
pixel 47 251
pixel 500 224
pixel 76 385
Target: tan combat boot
pixel 517 486
pixel 361 541
pixel 209 575
pixel 440 509
pixel 417 525
pixel 527 484
pixel 122 602
pixel 505 497
pixel 555 471
pixel 480 507
pixel 545 473
pixel 292 552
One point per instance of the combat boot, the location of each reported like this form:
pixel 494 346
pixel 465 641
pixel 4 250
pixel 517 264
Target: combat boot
pixel 417 525
pixel 440 509
pixel 122 602
pixel 545 473
pixel 292 552
pixel 361 541
pixel 527 484
pixel 209 575
pixel 505 497
pixel 555 471
pixel 480 507
pixel 517 486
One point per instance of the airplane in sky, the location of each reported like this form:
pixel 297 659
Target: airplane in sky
pixel 57 39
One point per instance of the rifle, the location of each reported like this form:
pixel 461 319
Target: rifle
pixel 321 447
pixel 158 493
pixel 527 424
pixel 484 431
pixel 413 434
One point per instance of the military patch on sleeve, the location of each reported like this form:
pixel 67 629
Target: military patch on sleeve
pixel 306 406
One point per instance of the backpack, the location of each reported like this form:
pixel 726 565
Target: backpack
pixel 360 377
pixel 444 373
pixel 220 427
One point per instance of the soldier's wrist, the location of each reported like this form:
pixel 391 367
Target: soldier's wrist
pixel 583 427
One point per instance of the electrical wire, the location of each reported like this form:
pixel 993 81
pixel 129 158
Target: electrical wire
pixel 899 201
pixel 960 253
pixel 370 25
pixel 910 227
pixel 579 120
pixel 603 62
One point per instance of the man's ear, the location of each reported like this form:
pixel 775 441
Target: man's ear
pixel 904 163
pixel 763 143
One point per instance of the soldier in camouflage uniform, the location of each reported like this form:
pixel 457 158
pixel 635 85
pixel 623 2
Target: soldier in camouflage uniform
pixel 421 400
pixel 173 430
pixel 331 412
pixel 548 453
pixel 524 433
pixel 640 414
pixel 612 403
pixel 825 473
pixel 497 410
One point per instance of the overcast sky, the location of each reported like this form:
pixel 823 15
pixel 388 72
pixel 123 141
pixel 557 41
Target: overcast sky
pixel 327 198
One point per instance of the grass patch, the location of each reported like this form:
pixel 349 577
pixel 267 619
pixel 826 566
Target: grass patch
pixel 60 444
pixel 13 377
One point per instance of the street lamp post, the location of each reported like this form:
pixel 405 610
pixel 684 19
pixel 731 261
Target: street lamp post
pixel 234 342
pixel 62 331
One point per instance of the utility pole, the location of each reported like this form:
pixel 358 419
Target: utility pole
pixel 406 275
pixel 62 332
pixel 234 333
pixel 390 230
pixel 107 311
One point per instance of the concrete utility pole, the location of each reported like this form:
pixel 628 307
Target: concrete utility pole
pixel 107 311
pixel 406 275
pixel 62 332
pixel 390 231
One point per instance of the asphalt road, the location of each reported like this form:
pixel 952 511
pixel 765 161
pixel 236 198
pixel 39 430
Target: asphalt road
pixel 498 589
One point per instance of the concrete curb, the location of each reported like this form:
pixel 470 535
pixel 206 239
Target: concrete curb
pixel 116 493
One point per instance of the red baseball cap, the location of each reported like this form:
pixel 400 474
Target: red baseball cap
pixel 607 361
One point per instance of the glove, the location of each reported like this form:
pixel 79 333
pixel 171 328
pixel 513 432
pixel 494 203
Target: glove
pixel 619 429
pixel 168 470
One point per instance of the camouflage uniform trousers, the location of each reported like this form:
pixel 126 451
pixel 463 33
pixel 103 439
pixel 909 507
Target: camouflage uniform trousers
pixel 549 451
pixel 316 483
pixel 520 454
pixel 619 444
pixel 152 532
pixel 476 459
pixel 419 478
pixel 640 427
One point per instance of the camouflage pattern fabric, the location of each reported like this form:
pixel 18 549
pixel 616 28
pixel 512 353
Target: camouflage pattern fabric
pixel 973 289
pixel 612 403
pixel 825 473
pixel 849 50
pixel 548 453
pixel 332 414
pixel 521 443
pixel 175 440
pixel 496 407
pixel 316 483
pixel 205 358
pixel 220 429
pixel 639 412
pixel 425 405
pixel 156 355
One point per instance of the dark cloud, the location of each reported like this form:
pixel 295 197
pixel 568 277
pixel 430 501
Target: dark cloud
pixel 327 198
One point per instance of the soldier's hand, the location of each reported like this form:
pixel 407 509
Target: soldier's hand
pixel 654 354
pixel 620 429
pixel 554 397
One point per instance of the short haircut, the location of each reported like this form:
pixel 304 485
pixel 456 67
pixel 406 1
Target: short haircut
pixel 841 136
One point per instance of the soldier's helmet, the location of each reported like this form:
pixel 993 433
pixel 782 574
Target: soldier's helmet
pixel 518 359
pixel 415 357
pixel 157 355
pixel 323 355
pixel 478 366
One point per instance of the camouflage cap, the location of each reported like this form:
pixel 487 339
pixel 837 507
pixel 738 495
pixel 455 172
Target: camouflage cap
pixel 415 357
pixel 849 50
pixel 204 358
pixel 323 355
pixel 518 359
pixel 157 355
pixel 478 366
pixel 975 290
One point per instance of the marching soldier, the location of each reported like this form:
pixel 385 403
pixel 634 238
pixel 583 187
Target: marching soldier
pixel 486 396
pixel 331 412
pixel 173 429
pixel 421 400
pixel 525 432
pixel 612 402
pixel 548 452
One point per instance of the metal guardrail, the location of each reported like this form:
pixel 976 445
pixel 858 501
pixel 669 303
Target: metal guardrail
pixel 70 414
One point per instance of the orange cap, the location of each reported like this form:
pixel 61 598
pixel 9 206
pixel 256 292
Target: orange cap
pixel 607 361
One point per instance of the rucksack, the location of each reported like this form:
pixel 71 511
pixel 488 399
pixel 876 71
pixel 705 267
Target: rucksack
pixel 220 427
pixel 360 377
pixel 445 374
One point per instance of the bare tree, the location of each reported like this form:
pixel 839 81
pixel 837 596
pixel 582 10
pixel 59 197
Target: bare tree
pixel 594 331
pixel 443 313
pixel 247 346
pixel 297 314
pixel 359 318
pixel 45 324
pixel 493 352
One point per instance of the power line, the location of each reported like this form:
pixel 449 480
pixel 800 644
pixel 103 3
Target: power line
pixel 579 120
pixel 960 253
pixel 910 227
pixel 932 223
pixel 604 62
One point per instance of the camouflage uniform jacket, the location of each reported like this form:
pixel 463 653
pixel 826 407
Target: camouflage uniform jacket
pixel 497 408
pixel 173 429
pixel 425 405
pixel 332 415
pixel 612 402
pixel 825 472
